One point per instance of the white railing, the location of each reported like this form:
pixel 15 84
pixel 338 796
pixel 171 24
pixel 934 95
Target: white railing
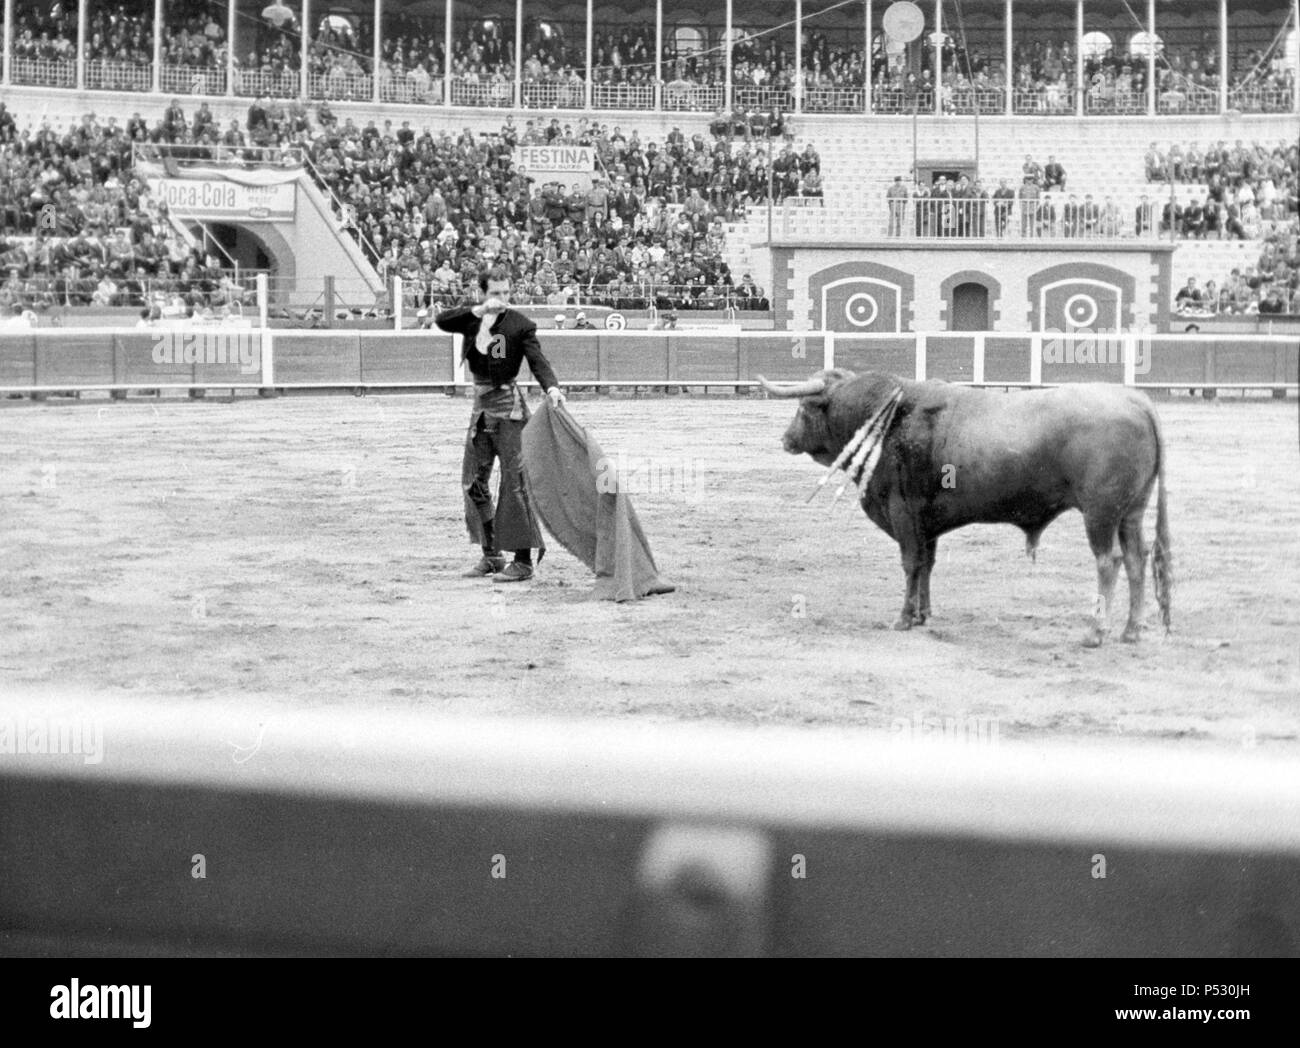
pixel 341 87
pixel 544 94
pixel 1187 98
pixel 886 100
pixel 1051 100
pixel 1108 101
pixel 679 95
pixel 929 219
pixel 471 91
pixel 623 96
pixel 762 98
pixel 413 90
pixel 193 80
pixel 44 72
pixel 252 83
pixel 1253 99
pixel 118 76
pixel 987 100
pixel 832 100
pixel 674 95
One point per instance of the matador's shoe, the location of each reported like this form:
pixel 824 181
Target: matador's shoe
pixel 514 572
pixel 486 566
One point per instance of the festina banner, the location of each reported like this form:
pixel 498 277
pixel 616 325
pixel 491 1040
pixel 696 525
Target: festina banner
pixel 565 164
pixel 220 198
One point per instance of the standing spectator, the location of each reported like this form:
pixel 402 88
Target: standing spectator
pixel 1144 217
pixel 896 197
pixel 1004 198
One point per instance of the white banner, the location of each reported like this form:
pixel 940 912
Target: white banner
pixel 218 198
pixel 566 164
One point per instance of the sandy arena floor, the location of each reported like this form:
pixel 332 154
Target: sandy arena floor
pixel 307 550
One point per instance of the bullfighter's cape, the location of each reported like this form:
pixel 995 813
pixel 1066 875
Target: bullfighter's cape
pixel 562 464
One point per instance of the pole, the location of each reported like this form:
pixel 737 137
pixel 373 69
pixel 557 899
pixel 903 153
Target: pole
pixel 866 73
pixel 938 57
pixel 9 41
pixel 81 45
pixel 726 75
pixel 156 78
pixel 376 54
pixel 1223 56
pixel 659 55
pixel 1078 58
pixel 1009 59
pixel 231 7
pixel 519 54
pixel 1295 24
pixel 587 94
pixel 1151 57
pixel 304 56
pixel 446 53
pixel 798 55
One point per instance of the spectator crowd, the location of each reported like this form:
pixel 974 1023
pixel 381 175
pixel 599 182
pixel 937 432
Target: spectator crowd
pixel 77 225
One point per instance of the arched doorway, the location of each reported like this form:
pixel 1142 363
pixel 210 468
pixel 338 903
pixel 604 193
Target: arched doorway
pixel 970 307
pixel 238 244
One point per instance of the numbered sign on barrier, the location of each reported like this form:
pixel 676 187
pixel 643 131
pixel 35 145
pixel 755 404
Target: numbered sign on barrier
pixel 615 322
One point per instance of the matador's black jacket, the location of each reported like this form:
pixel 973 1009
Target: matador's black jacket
pixel 514 339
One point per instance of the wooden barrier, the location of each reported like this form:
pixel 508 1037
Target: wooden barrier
pixel 62 360
pixel 267 829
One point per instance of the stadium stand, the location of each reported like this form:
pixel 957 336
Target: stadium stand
pixel 772 88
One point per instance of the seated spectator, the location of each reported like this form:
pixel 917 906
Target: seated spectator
pixel 1188 298
pixel 1053 174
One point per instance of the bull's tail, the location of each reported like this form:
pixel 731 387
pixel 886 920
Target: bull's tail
pixel 1162 559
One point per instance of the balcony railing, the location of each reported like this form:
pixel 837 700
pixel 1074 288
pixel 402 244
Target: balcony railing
pixel 832 100
pixel 762 99
pixel 413 90
pixel 975 219
pixel 1052 100
pixel 338 86
pixel 497 93
pixel 254 83
pixel 675 95
pixel 118 76
pixel 623 96
pixel 543 94
pixel 986 100
pixel 1253 99
pixel 1187 98
pixel 1109 102
pixel 887 100
pixel 192 80
pixel 44 72
pixel 681 96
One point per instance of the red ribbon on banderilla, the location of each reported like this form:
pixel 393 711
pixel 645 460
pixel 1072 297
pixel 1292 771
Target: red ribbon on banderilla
pixel 862 452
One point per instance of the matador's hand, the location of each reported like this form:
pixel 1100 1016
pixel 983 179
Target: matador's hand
pixel 557 397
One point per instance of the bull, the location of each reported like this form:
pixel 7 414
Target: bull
pixel 947 456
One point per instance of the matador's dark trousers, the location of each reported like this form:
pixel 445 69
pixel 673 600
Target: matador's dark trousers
pixel 492 438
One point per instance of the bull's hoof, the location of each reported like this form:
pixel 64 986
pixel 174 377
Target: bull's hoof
pixel 1131 634
pixel 904 623
pixel 1093 638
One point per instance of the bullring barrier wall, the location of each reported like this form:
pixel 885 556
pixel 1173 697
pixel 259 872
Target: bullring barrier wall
pixel 404 832
pixel 60 360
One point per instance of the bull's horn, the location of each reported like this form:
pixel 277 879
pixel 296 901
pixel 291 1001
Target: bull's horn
pixel 794 389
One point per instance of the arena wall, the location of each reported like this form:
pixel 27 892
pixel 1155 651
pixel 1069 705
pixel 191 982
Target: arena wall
pixel 874 288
